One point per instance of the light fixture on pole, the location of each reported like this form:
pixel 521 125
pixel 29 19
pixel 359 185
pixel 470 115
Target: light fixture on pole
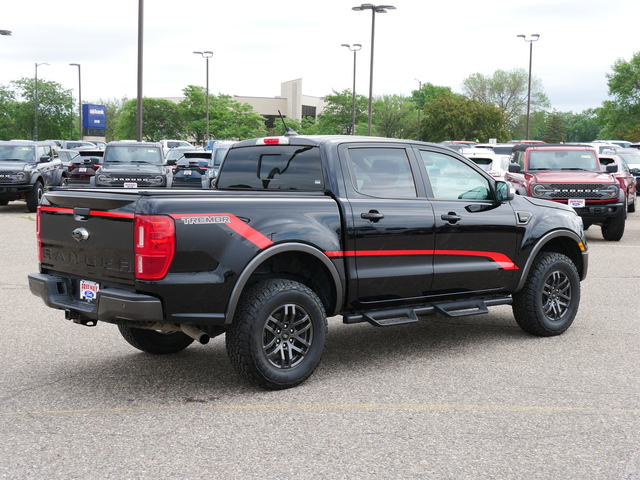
pixel 207 55
pixel 419 105
pixel 35 130
pixel 353 48
pixel 533 38
pixel 79 101
pixel 374 9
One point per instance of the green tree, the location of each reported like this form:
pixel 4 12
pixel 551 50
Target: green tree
pixel 580 127
pixel 395 116
pixel 620 117
pixel 232 120
pixel 55 110
pixel 8 105
pixel 337 116
pixel 554 129
pixel 228 119
pixel 509 92
pixel 427 93
pixel 113 108
pixel 160 119
pixel 456 117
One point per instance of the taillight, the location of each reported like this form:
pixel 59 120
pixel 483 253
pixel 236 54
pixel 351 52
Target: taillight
pixel 155 245
pixel 38 238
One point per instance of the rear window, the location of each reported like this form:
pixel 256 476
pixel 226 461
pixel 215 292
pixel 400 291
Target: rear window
pixel 273 167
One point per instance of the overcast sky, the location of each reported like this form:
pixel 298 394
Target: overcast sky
pixel 259 44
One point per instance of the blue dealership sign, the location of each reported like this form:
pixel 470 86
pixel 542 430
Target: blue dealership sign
pixel 94 116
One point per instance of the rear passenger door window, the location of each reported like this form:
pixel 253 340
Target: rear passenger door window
pixel 382 172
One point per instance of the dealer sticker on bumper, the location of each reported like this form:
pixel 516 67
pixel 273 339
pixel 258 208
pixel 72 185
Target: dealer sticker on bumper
pixel 88 290
pixel 577 202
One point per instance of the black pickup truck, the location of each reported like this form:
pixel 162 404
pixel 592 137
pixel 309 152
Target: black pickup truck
pixel 300 228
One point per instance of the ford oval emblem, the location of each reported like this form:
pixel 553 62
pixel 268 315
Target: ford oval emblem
pixel 80 234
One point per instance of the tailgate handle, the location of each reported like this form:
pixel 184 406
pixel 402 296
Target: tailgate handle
pixel 81 213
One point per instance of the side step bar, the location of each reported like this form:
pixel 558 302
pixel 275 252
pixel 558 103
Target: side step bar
pixel 399 316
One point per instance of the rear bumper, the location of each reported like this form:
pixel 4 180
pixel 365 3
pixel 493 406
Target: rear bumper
pixel 112 305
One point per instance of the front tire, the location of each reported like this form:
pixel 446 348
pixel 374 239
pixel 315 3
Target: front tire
pixel 154 341
pixel 278 334
pixel 548 303
pixel 34 196
pixel 613 230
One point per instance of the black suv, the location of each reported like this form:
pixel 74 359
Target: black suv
pixel 26 170
pixel 133 165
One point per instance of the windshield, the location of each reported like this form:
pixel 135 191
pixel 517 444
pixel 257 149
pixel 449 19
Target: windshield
pixel 23 153
pixel 563 160
pixel 632 159
pixel 133 154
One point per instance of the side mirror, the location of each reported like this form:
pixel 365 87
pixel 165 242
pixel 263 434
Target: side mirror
pixel 612 168
pixel 44 159
pixel 171 162
pixel 515 168
pixel 635 171
pixel 503 192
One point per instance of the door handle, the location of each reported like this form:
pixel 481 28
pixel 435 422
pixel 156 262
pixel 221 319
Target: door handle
pixel 372 215
pixel 451 217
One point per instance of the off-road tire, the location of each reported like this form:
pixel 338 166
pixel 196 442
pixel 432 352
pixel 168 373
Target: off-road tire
pixel 632 206
pixel 613 230
pixel 548 303
pixel 34 195
pixel 155 342
pixel 278 334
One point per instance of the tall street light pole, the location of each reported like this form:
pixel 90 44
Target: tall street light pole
pixel 353 48
pixel 79 100
pixel 35 130
pixel 534 37
pixel 374 9
pixel 419 105
pixel 206 55
pixel 140 63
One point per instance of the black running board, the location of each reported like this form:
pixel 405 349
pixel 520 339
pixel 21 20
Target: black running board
pixel 400 316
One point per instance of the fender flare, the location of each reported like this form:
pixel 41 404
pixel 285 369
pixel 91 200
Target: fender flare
pixel 60 174
pixel 259 259
pixel 538 247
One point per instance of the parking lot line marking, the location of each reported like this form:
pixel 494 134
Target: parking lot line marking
pixel 344 407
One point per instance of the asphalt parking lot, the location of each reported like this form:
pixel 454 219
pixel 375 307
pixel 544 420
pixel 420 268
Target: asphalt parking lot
pixel 470 398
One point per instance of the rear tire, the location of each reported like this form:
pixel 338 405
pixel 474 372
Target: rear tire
pixel 155 341
pixel 632 206
pixel 278 334
pixel 548 303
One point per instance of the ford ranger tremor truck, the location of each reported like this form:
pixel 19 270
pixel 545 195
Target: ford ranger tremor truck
pixel 132 165
pixel 27 169
pixel 301 228
pixel 572 175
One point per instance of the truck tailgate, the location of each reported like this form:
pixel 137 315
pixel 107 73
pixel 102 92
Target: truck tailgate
pixel 88 234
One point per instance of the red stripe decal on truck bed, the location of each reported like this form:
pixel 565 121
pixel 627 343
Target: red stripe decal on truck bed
pixel 231 221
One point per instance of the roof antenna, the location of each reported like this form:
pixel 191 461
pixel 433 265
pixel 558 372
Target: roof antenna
pixel 288 131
